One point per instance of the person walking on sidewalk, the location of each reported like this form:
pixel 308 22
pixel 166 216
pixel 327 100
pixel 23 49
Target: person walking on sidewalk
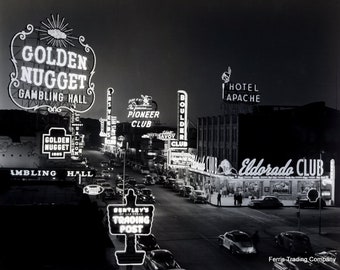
pixel 239 199
pixel 235 198
pixel 219 199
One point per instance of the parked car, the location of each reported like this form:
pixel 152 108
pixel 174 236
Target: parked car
pixel 147 242
pixel 178 184
pixel 104 164
pixel 119 189
pixel 160 179
pixel 169 182
pixel 325 260
pixel 108 194
pixel 106 174
pixel 265 202
pixel 237 242
pixel 295 242
pixel 198 196
pixel 305 203
pixel 99 181
pixel 144 170
pixel 160 259
pixel 148 180
pixel 138 187
pixel 145 196
pixel 106 185
pixel 186 190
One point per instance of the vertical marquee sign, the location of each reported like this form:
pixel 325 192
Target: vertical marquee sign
pixel 182 121
pixel 76 124
pixel 52 68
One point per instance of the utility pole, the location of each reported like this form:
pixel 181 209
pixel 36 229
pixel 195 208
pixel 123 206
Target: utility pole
pixel 320 195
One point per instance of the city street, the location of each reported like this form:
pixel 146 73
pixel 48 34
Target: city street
pixel 190 230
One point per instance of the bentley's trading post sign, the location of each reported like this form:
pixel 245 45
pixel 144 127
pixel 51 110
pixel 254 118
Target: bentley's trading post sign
pixel 52 68
pixel 130 220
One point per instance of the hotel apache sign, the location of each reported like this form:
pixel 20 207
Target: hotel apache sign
pixel 130 219
pixel 239 92
pixel 56 143
pixel 142 111
pixel 52 68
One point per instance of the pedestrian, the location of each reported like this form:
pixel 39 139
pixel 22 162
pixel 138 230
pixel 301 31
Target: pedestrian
pixel 235 198
pixel 239 199
pixel 219 199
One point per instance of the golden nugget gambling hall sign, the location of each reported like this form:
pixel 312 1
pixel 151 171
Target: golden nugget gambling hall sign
pixel 52 68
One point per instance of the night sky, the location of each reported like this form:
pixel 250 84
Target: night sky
pixel 288 48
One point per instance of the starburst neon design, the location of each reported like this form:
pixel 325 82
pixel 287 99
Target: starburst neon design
pixel 56 33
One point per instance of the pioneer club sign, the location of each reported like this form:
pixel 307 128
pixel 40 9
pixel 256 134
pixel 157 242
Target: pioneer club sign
pixel 52 68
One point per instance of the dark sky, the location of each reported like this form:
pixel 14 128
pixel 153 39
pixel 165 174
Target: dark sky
pixel 288 48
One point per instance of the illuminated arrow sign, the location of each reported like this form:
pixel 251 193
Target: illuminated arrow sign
pixel 130 219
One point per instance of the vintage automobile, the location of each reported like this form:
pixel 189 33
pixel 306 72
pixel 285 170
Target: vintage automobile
pixel 198 196
pixel 237 242
pixel 295 242
pixel 160 259
pixel 147 242
pixel 186 190
pixel 149 180
pixel 305 203
pixel 265 202
pixel 108 194
pixel 145 196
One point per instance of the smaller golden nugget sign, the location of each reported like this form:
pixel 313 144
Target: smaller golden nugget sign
pixel 130 220
pixel 56 143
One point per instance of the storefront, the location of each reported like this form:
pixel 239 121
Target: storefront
pixel 285 186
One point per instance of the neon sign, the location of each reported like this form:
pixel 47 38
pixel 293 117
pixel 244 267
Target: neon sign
pixel 47 73
pixel 56 143
pixel 141 110
pixel 303 167
pixel 238 92
pixel 130 220
pixel 182 121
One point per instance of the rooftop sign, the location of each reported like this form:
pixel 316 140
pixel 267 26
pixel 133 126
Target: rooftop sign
pixel 239 92
pixel 52 68
pixel 142 111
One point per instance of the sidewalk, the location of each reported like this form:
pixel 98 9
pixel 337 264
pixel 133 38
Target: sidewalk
pixel 229 201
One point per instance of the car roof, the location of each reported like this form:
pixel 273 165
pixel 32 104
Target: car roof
pixel 161 251
pixel 295 233
pixel 237 232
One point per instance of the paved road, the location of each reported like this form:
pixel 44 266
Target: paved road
pixel 190 230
